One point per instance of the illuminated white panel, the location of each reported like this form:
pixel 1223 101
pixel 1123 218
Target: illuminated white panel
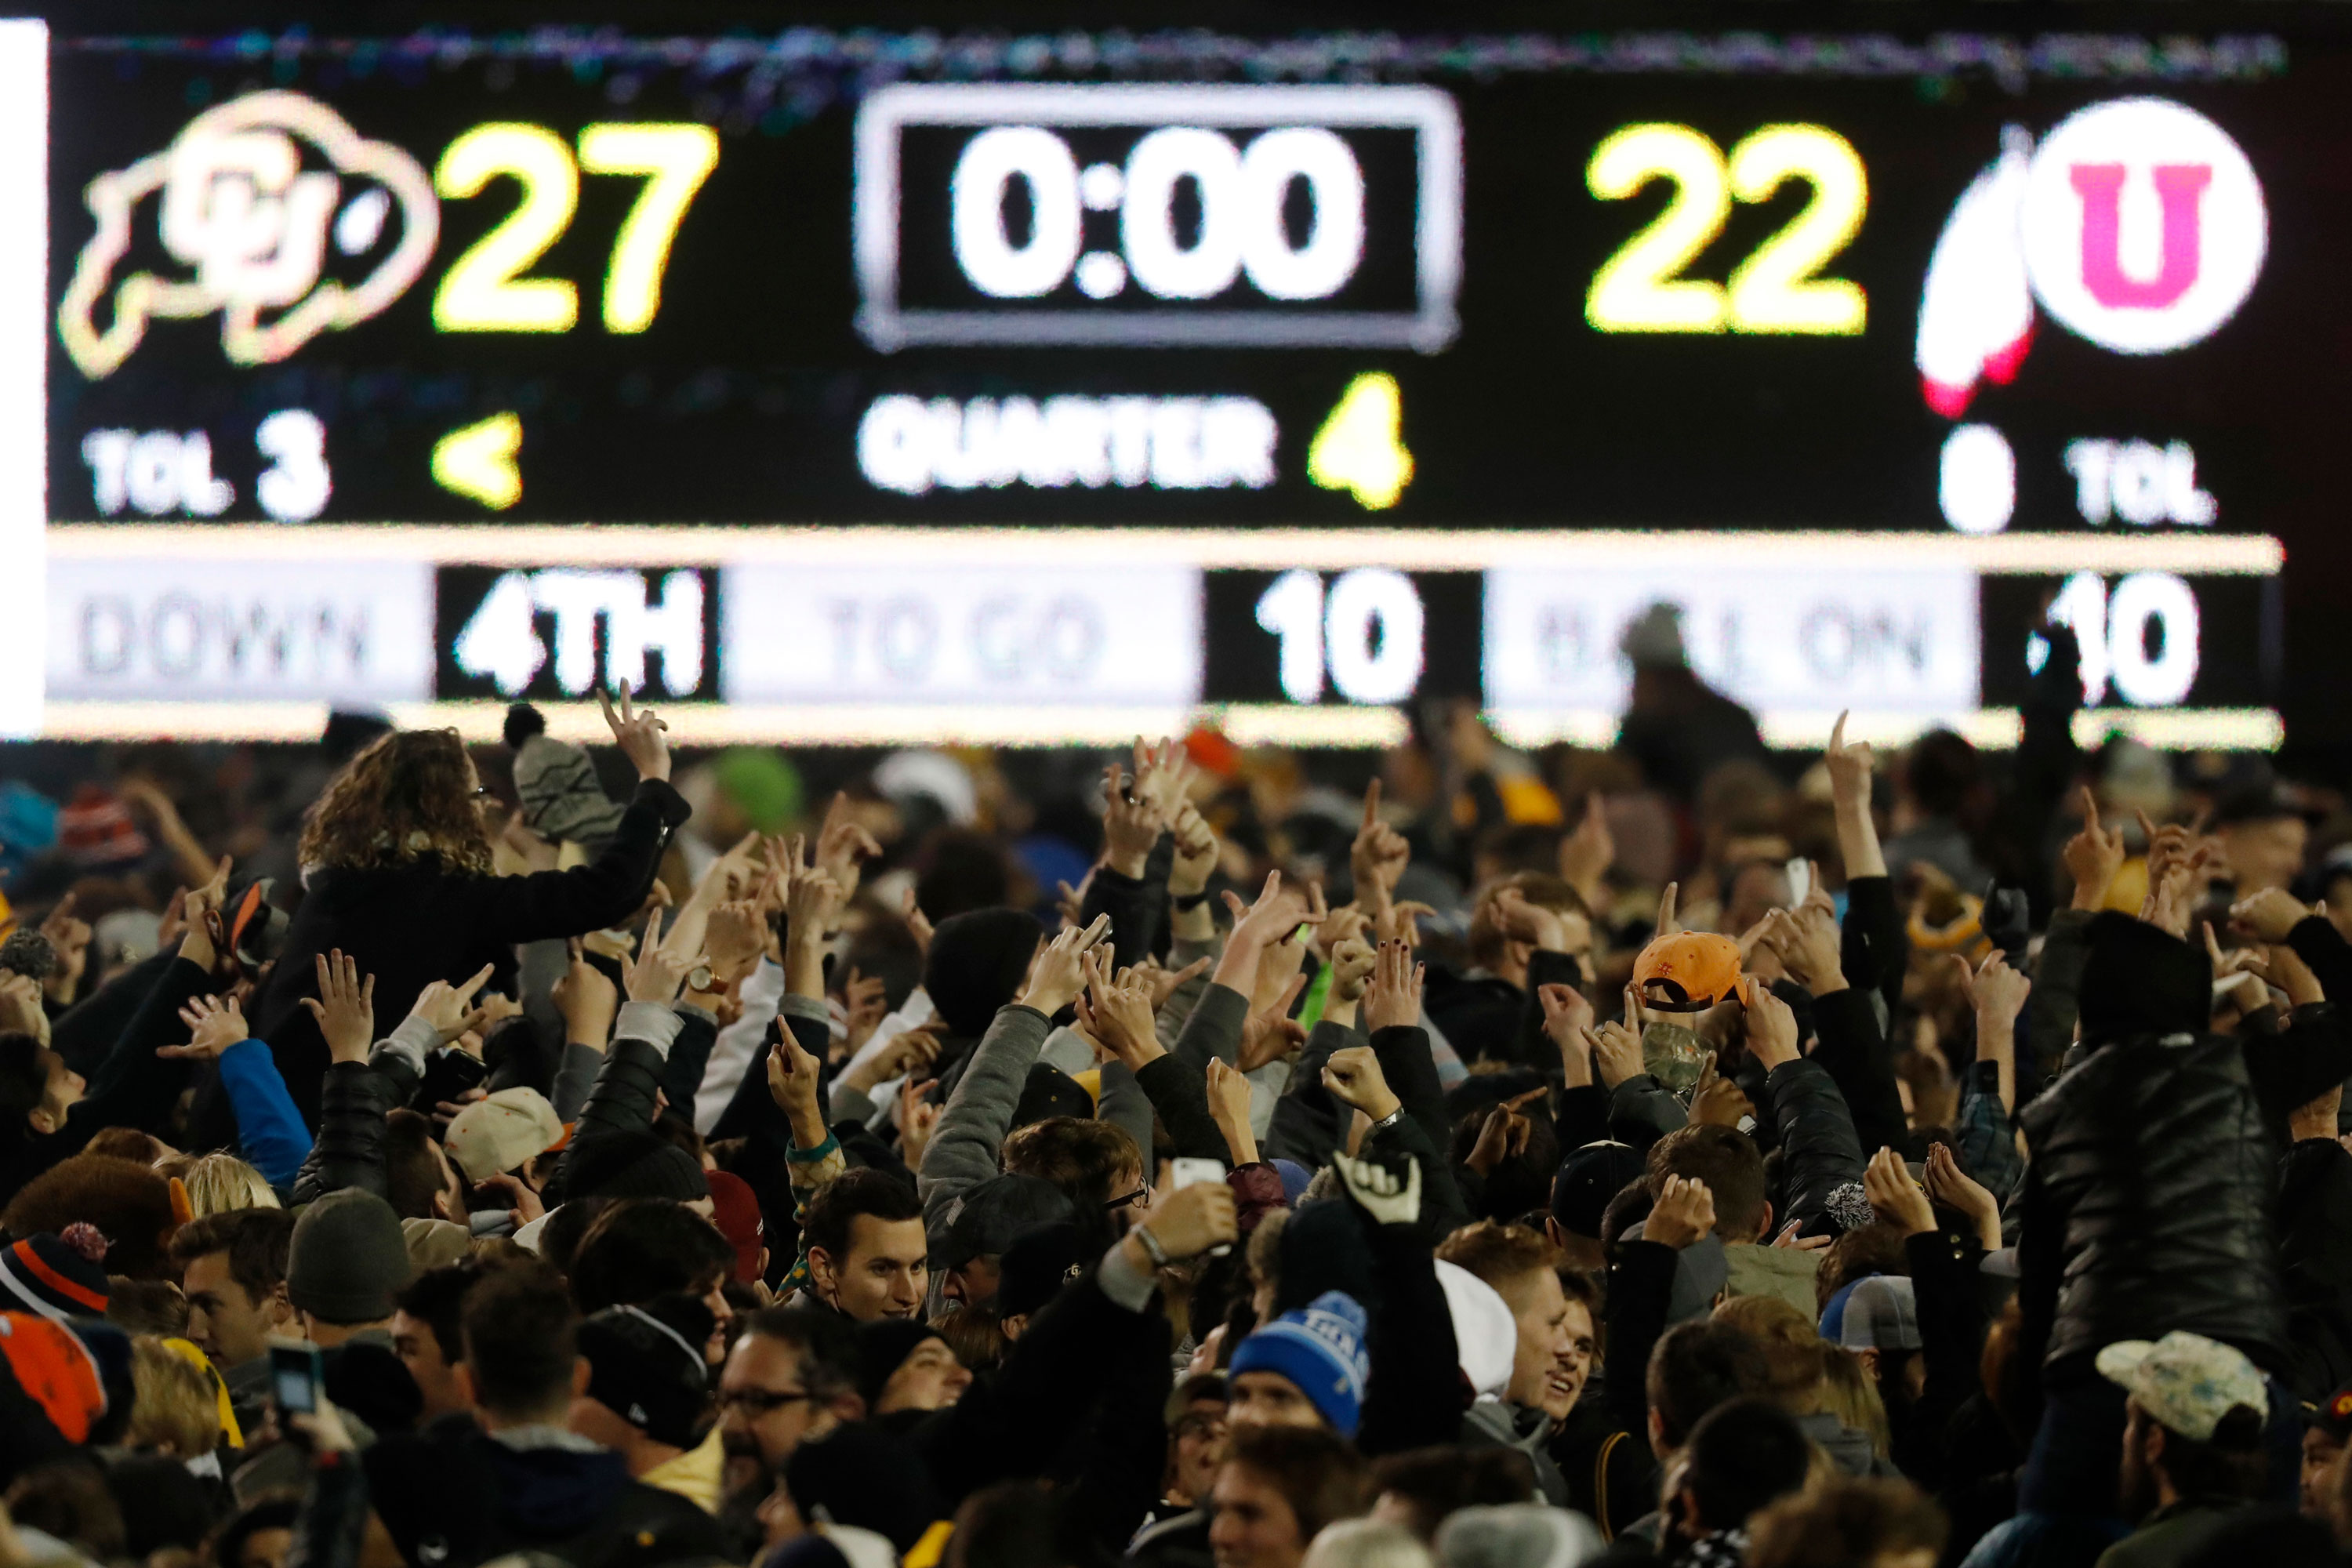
pixel 884 633
pixel 1903 641
pixel 709 724
pixel 23 355
pixel 167 630
pixel 1273 549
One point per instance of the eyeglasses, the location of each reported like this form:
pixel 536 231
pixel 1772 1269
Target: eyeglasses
pixel 1133 1198
pixel 1200 1426
pixel 758 1401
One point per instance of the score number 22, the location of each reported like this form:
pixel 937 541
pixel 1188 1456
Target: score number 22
pixel 1777 290
pixel 483 291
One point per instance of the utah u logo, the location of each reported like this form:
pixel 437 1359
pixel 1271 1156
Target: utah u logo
pixel 2179 187
pixel 2137 224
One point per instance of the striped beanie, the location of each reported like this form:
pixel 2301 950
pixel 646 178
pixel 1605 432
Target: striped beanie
pixel 56 1371
pixel 61 1276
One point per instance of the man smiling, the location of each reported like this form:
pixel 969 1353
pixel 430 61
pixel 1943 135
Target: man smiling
pixel 1552 1355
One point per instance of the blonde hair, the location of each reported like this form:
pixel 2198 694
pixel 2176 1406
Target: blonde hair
pixel 175 1409
pixel 1850 1396
pixel 218 1183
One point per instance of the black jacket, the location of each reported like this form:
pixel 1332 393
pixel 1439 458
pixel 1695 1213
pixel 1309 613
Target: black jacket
pixel 2147 1197
pixel 410 925
pixel 452 1503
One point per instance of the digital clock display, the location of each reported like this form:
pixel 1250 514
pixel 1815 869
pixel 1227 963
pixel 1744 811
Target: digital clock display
pixel 877 385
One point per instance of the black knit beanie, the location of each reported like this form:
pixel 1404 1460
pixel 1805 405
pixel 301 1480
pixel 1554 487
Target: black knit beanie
pixel 976 965
pixel 2139 980
pixel 632 1165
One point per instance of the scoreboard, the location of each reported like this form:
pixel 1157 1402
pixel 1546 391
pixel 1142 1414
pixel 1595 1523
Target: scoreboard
pixel 842 383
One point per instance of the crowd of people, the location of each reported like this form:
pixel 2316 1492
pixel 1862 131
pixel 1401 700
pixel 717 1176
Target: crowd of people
pixel 423 1153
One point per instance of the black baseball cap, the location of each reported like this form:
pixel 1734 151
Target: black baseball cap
pixel 996 1211
pixel 1588 1179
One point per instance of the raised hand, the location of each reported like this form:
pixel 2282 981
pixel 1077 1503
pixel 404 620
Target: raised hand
pixel 1567 1022
pixel 1719 1100
pixel 655 973
pixel 587 1000
pixel 1055 979
pixel 1196 853
pixel 1684 1214
pixel 1996 991
pixel 1771 1028
pixel 1952 1187
pixel 1379 853
pixel 1392 1000
pixel 1188 1221
pixel 1375 1189
pixel 1229 1105
pixel 791 1084
pixel 1163 776
pixel 918 924
pixel 843 846
pixel 344 1007
pixel 1808 943
pixel 2268 916
pixel 1353 1076
pixel 642 737
pixel 907 1053
pixel 70 938
pixel 450 1008
pixel 1895 1196
pixel 1549 930
pixel 1849 767
pixel 1616 1051
pixel 213 1025
pixel 1270 1033
pixel 1116 1009
pixel 1132 824
pixel 1353 961
pixel 2093 857
pixel 918 1119
pixel 736 939
pixel 1504 1134
pixel 1165 981
pixel 1277 912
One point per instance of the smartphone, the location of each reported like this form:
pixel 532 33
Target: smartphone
pixel 1186 1173
pixel 295 1374
pixel 1801 881
pixel 1192 1172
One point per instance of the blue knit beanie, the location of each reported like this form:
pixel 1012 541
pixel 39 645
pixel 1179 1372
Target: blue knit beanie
pixel 1320 1348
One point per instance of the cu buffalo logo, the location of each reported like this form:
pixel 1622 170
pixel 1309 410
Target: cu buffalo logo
pixel 2137 225
pixel 270 209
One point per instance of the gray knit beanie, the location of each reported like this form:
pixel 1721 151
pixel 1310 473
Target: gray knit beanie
pixel 558 788
pixel 349 1259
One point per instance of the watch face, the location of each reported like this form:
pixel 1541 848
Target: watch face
pixel 700 980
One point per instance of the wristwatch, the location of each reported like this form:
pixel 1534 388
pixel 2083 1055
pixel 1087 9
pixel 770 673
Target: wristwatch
pixel 1142 1233
pixel 1391 1120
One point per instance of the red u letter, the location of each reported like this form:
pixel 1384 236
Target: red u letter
pixel 2179 187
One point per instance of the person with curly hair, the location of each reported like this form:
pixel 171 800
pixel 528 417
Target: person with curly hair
pixel 396 870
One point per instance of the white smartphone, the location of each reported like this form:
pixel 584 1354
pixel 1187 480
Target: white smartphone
pixel 1186 1173
pixel 1800 872
pixel 1192 1172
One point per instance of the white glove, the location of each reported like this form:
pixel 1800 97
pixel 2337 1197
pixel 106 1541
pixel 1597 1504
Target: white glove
pixel 1377 1191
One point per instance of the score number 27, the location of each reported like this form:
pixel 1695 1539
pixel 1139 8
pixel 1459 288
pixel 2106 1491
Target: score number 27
pixel 484 290
pixel 1777 290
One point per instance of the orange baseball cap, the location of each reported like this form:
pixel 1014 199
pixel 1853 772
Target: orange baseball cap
pixel 1691 969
